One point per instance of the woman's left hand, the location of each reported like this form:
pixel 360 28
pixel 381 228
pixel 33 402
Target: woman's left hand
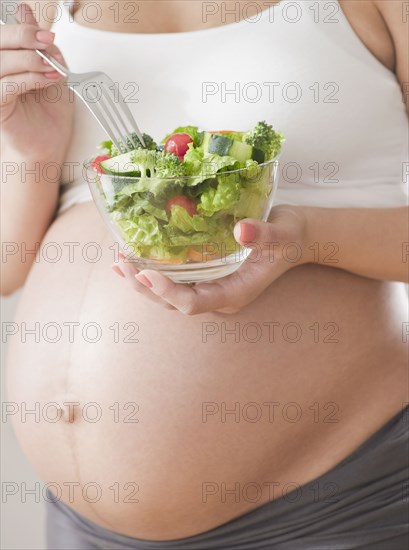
pixel 277 246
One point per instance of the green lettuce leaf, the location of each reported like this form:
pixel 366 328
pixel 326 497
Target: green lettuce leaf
pixel 215 233
pixel 177 238
pixel 181 219
pixel 205 165
pixel 143 230
pixel 136 204
pixel 165 253
pixel 223 197
pixel 250 204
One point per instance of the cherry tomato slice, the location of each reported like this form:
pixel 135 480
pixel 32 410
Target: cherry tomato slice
pixel 96 163
pixel 177 144
pixel 185 202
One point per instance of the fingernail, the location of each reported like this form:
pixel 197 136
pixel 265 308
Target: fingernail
pixel 244 232
pixel 46 37
pixel 121 256
pixel 144 280
pixel 118 271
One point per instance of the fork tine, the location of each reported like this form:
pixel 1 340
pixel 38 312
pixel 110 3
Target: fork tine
pixel 131 119
pixel 111 113
pixel 134 141
pixel 127 112
pixel 105 104
pixel 97 113
pixel 110 107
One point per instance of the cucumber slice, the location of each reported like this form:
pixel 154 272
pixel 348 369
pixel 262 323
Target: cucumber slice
pixel 121 165
pixel 222 145
pixel 258 155
pixel 219 145
pixel 241 151
pixel 204 146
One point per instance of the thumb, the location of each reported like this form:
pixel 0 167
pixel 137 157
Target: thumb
pixel 25 14
pixel 250 230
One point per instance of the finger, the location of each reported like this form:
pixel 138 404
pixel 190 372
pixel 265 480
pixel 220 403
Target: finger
pixel 260 237
pixel 22 61
pixel 245 232
pixel 127 270
pixel 14 37
pixel 250 231
pixel 14 85
pixel 25 14
pixel 141 289
pixel 190 300
pixel 117 270
pixel 56 52
pixel 127 267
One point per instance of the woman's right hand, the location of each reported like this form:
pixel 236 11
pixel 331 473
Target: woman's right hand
pixel 36 106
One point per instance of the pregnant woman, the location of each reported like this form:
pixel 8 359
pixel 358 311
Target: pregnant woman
pixel 265 410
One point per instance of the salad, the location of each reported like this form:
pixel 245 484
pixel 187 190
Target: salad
pixel 178 201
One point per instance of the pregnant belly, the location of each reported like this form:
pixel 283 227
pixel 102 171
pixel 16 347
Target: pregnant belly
pixel 160 426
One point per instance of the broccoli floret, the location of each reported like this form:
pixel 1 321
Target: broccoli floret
pixel 150 143
pixel 145 160
pixel 263 137
pixel 157 164
pixel 111 149
pixel 169 165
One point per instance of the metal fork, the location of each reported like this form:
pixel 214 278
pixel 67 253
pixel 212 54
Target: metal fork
pixel 96 90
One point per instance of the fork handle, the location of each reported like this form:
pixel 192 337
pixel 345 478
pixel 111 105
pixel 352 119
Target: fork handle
pixel 9 19
pixel 51 61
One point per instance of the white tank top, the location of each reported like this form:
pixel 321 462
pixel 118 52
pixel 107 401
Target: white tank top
pixel 301 68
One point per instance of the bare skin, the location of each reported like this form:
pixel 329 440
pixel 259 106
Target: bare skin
pixel 354 368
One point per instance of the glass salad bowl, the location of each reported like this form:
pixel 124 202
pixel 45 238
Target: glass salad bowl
pixel 183 226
